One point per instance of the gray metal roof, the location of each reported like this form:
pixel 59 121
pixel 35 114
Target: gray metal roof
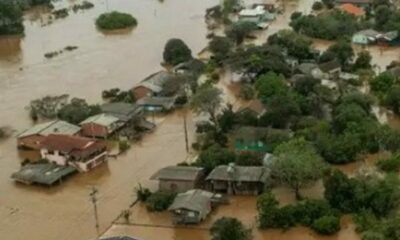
pixel 42 173
pixel 183 173
pixel 101 119
pixel 193 200
pixel 156 81
pixel 122 111
pixel 239 174
pixel 53 127
pixel 165 102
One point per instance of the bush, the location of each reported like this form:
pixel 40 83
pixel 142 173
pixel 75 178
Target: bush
pixel 123 145
pixel 159 201
pixel 247 92
pixel 227 228
pixel 326 225
pixel 249 159
pixel 176 51
pixel 317 6
pixel 142 193
pixel 115 20
pixel 391 164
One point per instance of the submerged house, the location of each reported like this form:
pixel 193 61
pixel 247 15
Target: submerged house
pixel 79 152
pixel 101 125
pixel 156 104
pixel 193 206
pixel 388 39
pixel 42 173
pixel 310 69
pixel 365 37
pixel 179 178
pixel 238 180
pixel 124 112
pixel 32 137
pixel 254 108
pixel 162 83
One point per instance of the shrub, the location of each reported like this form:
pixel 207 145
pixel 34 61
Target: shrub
pixel 326 225
pixel 317 6
pixel 159 201
pixel 176 51
pixel 249 159
pixel 115 20
pixel 123 145
pixel 142 193
pixel 247 92
pixel 227 228
pixel 391 164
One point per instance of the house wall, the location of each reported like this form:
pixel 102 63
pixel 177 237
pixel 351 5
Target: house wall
pixel 54 157
pixel 237 188
pixel 94 130
pixel 176 186
pixel 141 92
pixel 90 164
pixel 31 142
pixel 184 216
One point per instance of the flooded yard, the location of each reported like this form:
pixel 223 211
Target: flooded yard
pixel 158 226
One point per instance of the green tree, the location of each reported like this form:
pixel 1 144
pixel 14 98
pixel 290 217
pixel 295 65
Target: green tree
pixel 227 228
pixel 382 83
pixel 297 164
pixel 77 110
pixel 393 99
pixel 220 47
pixel 10 18
pixel 267 207
pixel 240 30
pixel 342 50
pixel 329 3
pixel 340 191
pixel 317 6
pixel 115 20
pixel 382 16
pixel 215 156
pixel 207 99
pixel 297 45
pixel 269 85
pixel 363 61
pixel 176 51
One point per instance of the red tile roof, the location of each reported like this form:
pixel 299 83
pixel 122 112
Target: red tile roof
pixel 73 145
pixel 352 9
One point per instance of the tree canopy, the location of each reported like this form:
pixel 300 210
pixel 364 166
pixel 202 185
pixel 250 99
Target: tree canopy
pixel 176 51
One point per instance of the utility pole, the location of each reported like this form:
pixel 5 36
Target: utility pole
pixel 186 131
pixel 93 198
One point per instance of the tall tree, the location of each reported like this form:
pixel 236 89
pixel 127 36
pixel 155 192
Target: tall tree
pixel 207 99
pixel 297 164
pixel 176 51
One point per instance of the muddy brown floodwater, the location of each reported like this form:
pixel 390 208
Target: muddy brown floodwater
pixel 101 62
pixel 104 61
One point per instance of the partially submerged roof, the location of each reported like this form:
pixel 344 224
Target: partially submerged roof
pixel 73 145
pixel 156 102
pixel 239 173
pixel 102 119
pixel 255 106
pixel 122 111
pixel 307 68
pixel 44 129
pixel 329 66
pixel 257 11
pixel 389 36
pixel 193 200
pixel 156 81
pixel 180 173
pixel 42 173
pixel 370 33
pixel 355 1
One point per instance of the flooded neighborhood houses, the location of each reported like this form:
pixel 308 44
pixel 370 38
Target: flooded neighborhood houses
pixel 222 120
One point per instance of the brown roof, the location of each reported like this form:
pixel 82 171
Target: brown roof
pixel 352 9
pixel 78 147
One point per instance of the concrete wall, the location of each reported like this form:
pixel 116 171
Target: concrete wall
pixel 54 157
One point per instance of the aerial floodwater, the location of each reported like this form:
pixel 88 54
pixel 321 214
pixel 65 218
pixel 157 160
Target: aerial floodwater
pixel 102 61
pixel 121 59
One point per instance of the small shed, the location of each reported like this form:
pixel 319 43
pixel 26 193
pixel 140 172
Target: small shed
pixel 192 207
pixel 32 137
pixel 238 180
pixel 42 173
pixel 179 178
